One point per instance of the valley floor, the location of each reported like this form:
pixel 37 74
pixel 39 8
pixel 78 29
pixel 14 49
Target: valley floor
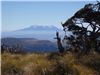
pixel 50 64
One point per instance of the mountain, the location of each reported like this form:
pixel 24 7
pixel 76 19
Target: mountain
pixel 30 44
pixel 40 28
pixel 35 31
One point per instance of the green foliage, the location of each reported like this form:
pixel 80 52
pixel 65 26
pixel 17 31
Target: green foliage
pixel 80 24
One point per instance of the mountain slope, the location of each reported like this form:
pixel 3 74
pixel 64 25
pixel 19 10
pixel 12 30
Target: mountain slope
pixel 39 32
pixel 30 44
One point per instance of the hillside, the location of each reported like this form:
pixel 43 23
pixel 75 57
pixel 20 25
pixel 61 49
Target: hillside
pixel 50 64
pixel 30 44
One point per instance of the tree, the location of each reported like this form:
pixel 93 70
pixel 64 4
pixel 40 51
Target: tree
pixel 60 47
pixel 85 26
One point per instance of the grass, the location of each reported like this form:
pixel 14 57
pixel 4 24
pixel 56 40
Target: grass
pixel 41 64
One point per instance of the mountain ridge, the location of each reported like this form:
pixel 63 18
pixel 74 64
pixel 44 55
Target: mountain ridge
pixel 40 27
pixel 30 44
pixel 34 31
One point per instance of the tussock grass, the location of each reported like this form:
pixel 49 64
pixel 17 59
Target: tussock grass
pixel 40 64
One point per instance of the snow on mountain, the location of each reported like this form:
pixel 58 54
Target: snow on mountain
pixel 39 27
pixel 35 31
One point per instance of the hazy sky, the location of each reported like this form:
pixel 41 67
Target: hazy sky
pixel 17 15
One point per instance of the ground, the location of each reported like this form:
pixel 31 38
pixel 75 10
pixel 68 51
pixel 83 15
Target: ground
pixel 50 64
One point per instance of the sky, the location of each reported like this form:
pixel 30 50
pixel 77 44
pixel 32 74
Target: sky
pixel 21 14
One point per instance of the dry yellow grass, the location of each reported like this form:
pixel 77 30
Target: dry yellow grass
pixel 39 64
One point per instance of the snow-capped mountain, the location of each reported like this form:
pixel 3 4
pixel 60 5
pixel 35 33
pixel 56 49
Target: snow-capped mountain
pixel 42 28
pixel 35 31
